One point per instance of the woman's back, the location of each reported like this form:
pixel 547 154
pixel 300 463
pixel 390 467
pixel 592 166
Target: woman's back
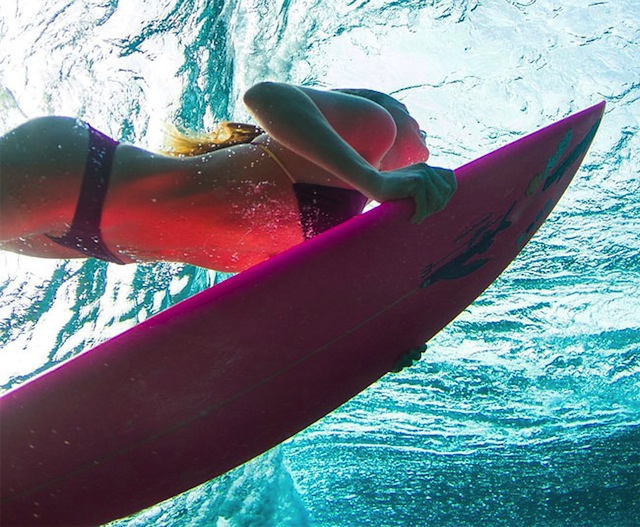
pixel 203 209
pixel 70 191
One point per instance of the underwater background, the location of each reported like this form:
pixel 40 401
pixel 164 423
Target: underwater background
pixel 525 411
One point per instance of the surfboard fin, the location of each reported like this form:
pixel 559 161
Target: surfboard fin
pixel 409 358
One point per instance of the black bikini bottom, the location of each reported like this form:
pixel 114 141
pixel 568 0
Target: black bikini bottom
pixel 84 234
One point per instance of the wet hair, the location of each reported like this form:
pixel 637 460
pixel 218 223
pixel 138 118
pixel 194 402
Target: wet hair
pixel 185 143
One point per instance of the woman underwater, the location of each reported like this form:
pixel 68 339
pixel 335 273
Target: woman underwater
pixel 227 203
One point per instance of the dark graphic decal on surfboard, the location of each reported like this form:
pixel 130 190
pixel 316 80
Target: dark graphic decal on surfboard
pixel 580 149
pixel 554 177
pixel 461 266
pixel 550 176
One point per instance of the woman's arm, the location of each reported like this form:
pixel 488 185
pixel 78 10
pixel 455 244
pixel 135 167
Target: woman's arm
pixel 347 136
pixel 326 128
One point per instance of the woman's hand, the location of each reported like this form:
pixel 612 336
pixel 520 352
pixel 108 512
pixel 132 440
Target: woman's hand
pixel 431 188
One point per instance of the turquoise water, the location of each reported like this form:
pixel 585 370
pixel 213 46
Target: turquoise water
pixel 525 411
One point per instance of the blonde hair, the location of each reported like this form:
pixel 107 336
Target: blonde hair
pixel 185 143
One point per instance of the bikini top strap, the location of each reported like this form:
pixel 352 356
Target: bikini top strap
pixel 275 159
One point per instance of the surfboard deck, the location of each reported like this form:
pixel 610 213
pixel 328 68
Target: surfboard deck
pixel 233 371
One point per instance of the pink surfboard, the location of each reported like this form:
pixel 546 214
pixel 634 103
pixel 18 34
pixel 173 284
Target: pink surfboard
pixel 231 372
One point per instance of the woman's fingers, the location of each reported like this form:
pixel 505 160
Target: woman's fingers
pixel 445 181
pixel 435 196
pixel 432 195
pixel 431 188
pixel 422 202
